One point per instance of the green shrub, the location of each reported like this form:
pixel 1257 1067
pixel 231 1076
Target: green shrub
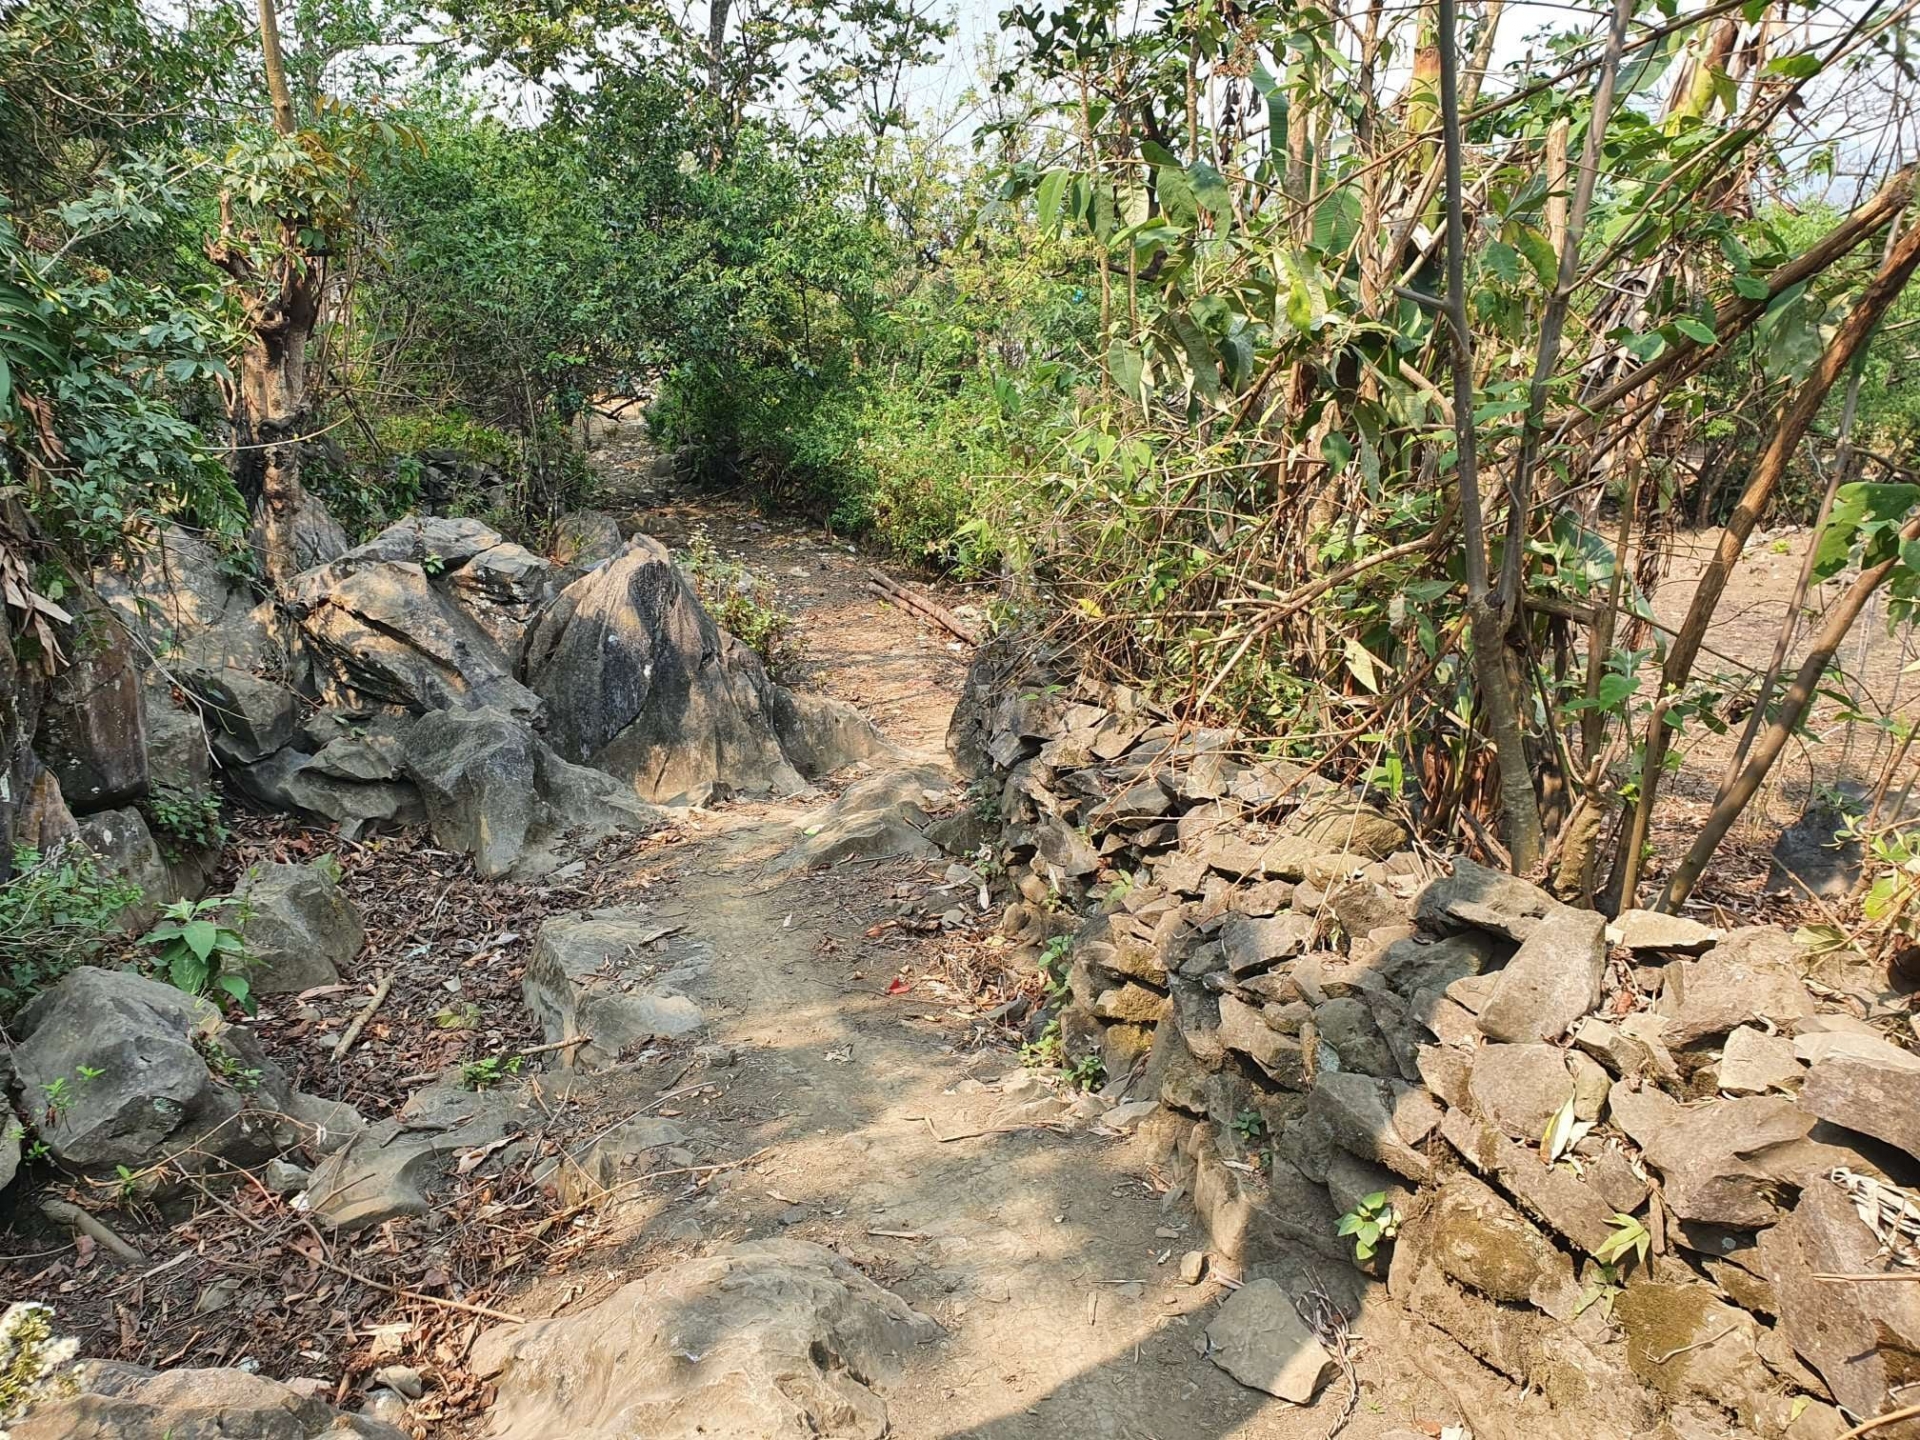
pixel 183 817
pixel 741 602
pixel 193 951
pixel 56 912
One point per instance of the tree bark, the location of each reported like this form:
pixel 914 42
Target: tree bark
pixel 1519 806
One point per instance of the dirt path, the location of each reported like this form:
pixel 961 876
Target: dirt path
pixel 880 1121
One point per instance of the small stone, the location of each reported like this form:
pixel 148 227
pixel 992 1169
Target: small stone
pixel 1552 980
pixel 402 1378
pixel 1252 945
pixel 283 1178
pixel 1648 931
pixel 1754 1063
pixel 1620 1053
pixel 1474 897
pixel 1193 1267
pixel 1259 1339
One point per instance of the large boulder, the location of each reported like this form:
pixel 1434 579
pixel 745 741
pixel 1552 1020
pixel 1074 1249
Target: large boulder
pixel 249 718
pixel 109 1400
pixel 779 1339
pixel 383 632
pixel 183 602
pixel 179 758
pixel 23 692
pixel 298 926
pixel 640 682
pixel 127 1059
pixel 494 790
pixel 93 734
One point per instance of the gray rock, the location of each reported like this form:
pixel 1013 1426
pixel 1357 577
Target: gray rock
pixel 181 602
pixel 1520 1087
pixel 1476 897
pixel 1650 932
pixel 249 718
pixel 1858 1337
pixel 1723 1163
pixel 493 790
pixel 884 814
pixel 1756 1063
pixel 641 683
pixel 1414 964
pixel 1251 945
pixel 11 1136
pixel 382 633
pixel 179 759
pixel 1868 1086
pixel 115 1401
pixel 501 588
pixel 360 757
pixel 1621 1054
pixel 1347 1024
pixel 1484 1243
pixel 93 732
pixel 128 851
pixel 588 977
pixel 820 735
pixel 353 805
pixel 1355 1113
pixel 1243 1029
pixel 1259 1338
pixel 388 1171
pixel 154 1099
pixel 1552 980
pixel 298 926
pixel 1553 1195
pixel 1705 998
pixel 777 1338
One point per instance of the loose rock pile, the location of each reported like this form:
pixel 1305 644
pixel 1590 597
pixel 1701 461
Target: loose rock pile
pixel 1611 1161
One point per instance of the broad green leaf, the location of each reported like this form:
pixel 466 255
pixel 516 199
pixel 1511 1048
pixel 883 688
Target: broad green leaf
pixel 1128 368
pixel 1795 67
pixel 1210 189
pixel 1695 330
pixel 1052 186
pixel 1751 287
pixel 200 936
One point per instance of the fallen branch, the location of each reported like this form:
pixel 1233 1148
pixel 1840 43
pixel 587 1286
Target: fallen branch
pixel 893 590
pixel 65 1212
pixel 552 1045
pixel 1881 1421
pixel 352 1033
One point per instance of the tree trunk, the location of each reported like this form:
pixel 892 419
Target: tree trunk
pixel 1519 807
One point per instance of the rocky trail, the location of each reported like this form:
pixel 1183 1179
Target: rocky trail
pixel 930 1042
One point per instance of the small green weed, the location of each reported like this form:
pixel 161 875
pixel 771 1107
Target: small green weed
pixel 1089 1072
pixel 184 817
pixel 741 602
pixel 193 950
pixel 1370 1222
pixel 1045 1051
pixel 484 1074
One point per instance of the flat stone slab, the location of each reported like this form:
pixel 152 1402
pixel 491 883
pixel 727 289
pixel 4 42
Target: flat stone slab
pixel 1259 1339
